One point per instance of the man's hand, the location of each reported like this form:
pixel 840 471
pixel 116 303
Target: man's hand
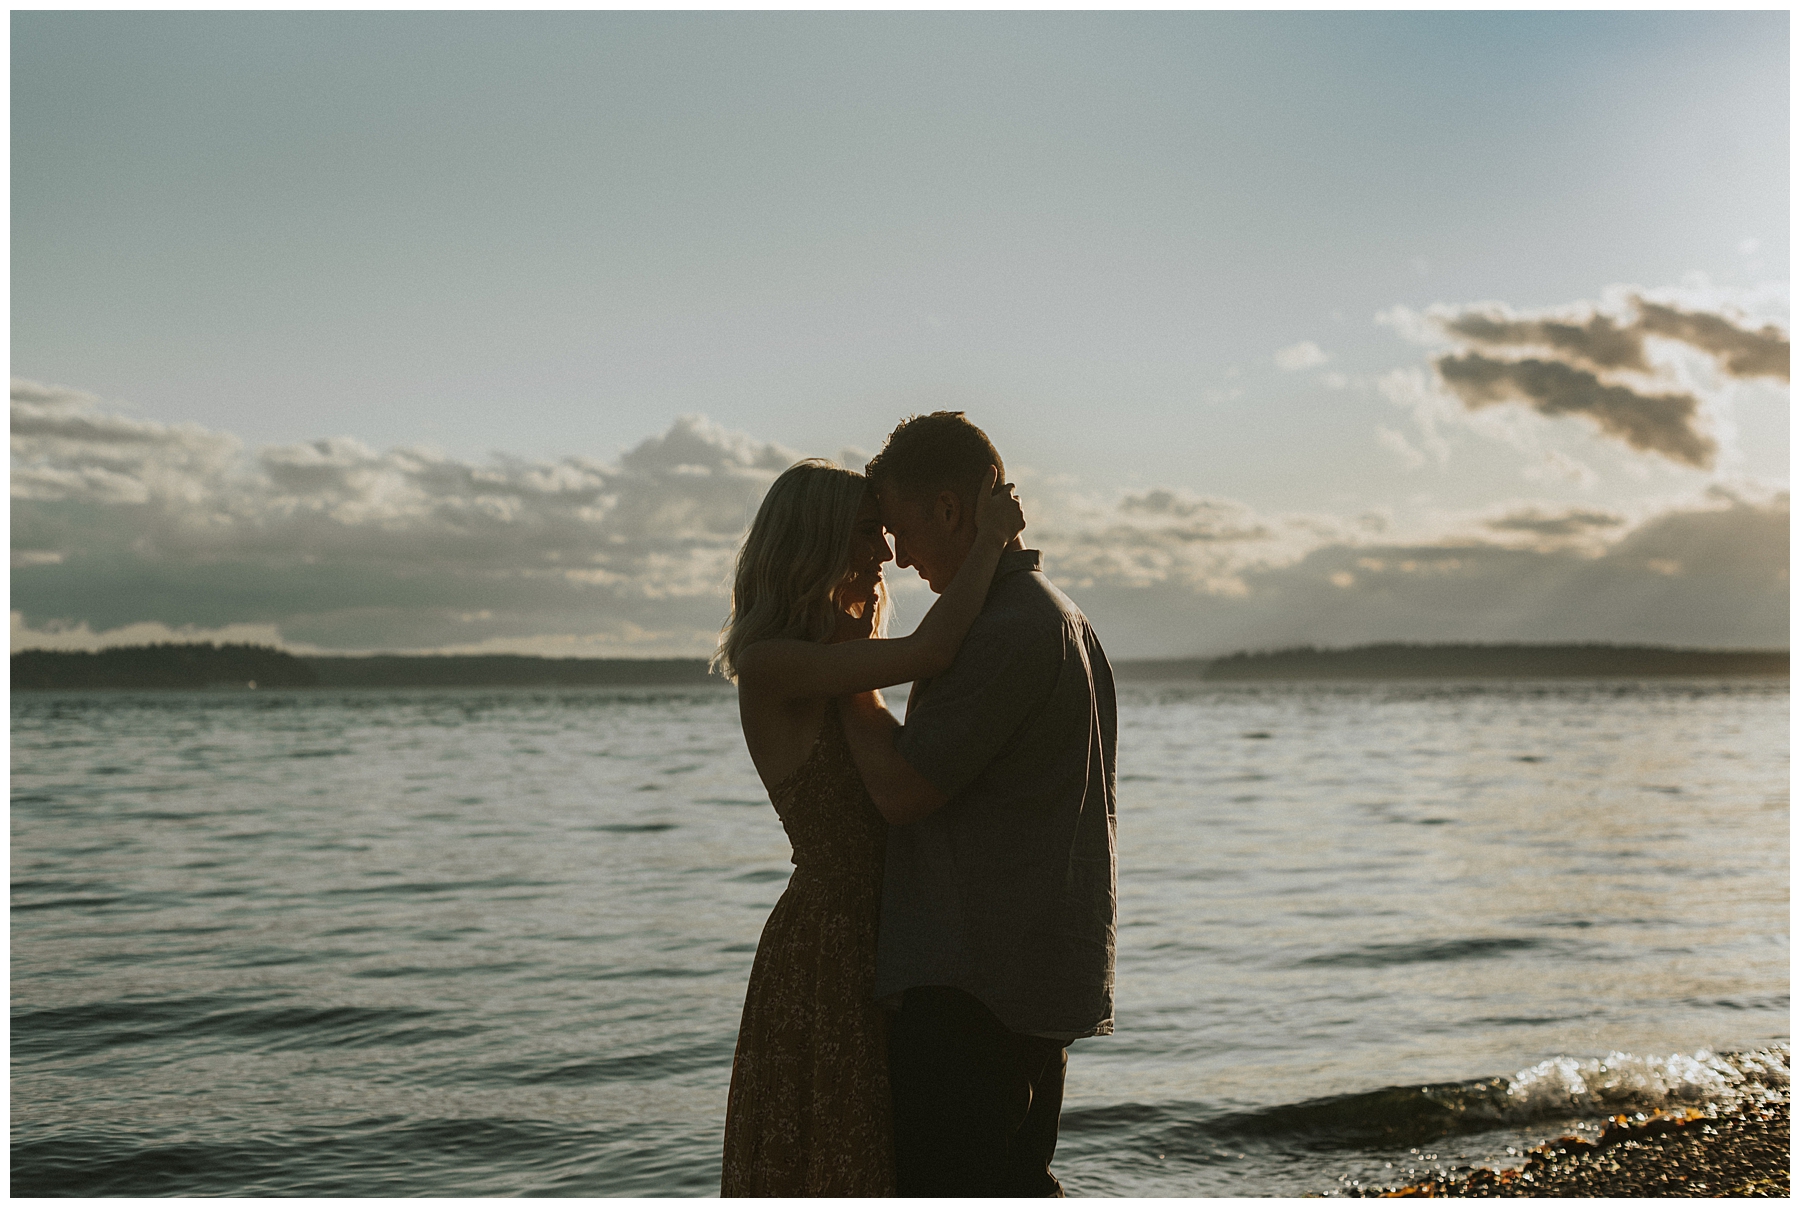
pixel 901 794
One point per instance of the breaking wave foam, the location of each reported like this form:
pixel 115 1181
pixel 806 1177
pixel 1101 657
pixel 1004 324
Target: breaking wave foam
pixel 1626 1082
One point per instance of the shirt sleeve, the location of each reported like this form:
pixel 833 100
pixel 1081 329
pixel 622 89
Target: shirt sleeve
pixel 1002 675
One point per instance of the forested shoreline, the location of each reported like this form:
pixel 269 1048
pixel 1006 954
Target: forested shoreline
pixel 1402 660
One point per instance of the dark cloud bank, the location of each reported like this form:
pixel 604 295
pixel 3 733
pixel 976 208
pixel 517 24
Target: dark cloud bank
pixel 1596 365
pixel 1712 576
pixel 119 521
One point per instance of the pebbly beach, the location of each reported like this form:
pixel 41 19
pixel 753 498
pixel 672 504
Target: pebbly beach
pixel 1736 1148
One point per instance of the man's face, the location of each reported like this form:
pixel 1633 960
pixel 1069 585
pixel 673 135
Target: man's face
pixel 932 534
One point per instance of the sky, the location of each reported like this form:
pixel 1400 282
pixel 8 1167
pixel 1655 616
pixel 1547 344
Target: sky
pixel 486 331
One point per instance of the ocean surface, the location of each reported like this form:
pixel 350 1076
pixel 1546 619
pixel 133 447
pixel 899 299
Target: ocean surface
pixel 483 942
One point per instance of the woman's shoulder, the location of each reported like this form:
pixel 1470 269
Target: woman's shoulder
pixel 767 655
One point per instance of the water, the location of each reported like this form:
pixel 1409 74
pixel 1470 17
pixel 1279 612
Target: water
pixel 437 942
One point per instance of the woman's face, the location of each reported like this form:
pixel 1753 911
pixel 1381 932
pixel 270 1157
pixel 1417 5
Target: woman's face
pixel 868 551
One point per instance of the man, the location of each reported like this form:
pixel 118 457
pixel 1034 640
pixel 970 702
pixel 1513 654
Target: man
pixel 998 915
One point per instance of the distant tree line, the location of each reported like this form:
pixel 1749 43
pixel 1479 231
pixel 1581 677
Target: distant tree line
pixel 1400 660
pixel 165 665
pixel 204 665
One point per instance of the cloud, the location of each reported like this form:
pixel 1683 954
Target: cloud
pixel 1660 423
pixel 1618 364
pixel 1431 409
pixel 1596 341
pixel 1557 466
pixel 1552 529
pixel 1584 335
pixel 1303 355
pixel 1402 448
pixel 1165 572
pixel 1208 519
pixel 1150 537
pixel 1740 351
pixel 1571 523
pixel 125 530
pixel 119 521
pixel 65 446
pixel 1713 573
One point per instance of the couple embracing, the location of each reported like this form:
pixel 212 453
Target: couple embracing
pixel 949 925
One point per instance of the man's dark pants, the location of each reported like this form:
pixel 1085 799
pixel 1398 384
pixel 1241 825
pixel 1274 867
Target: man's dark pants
pixel 975 1105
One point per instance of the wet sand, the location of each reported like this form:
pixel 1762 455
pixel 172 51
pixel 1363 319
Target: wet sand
pixel 1736 1150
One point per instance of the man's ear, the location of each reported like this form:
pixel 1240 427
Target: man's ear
pixel 948 509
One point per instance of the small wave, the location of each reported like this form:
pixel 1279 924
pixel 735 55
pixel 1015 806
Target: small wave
pixel 1524 1021
pixel 1763 1002
pixel 430 887
pixel 761 875
pixel 1371 956
pixel 658 972
pixel 66 903
pixel 369 1157
pixel 1559 1089
pixel 635 1067
pixel 384 972
pixel 62 1032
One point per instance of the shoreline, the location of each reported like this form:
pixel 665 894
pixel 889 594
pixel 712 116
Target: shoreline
pixel 1739 1148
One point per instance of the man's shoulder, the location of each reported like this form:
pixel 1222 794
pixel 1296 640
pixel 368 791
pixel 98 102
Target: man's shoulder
pixel 1037 612
pixel 1029 618
pixel 1031 599
pixel 1022 609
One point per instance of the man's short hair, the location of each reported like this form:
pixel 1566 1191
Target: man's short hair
pixel 931 453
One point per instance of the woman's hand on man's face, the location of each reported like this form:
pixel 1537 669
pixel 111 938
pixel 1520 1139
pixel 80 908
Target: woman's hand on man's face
pixel 998 514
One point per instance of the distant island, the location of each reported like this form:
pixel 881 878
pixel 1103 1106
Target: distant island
pixel 166 665
pixel 204 665
pixel 1405 660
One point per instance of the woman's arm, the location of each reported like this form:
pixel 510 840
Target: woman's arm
pixel 788 668
pixel 900 794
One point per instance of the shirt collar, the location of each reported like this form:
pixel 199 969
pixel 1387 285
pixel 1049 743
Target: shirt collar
pixel 1019 559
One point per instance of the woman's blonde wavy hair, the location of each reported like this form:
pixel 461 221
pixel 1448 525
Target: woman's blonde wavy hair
pixel 794 560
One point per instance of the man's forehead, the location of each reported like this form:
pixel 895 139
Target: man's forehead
pixel 891 499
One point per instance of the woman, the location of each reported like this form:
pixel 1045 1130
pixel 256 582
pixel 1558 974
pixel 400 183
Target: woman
pixel 808 1112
